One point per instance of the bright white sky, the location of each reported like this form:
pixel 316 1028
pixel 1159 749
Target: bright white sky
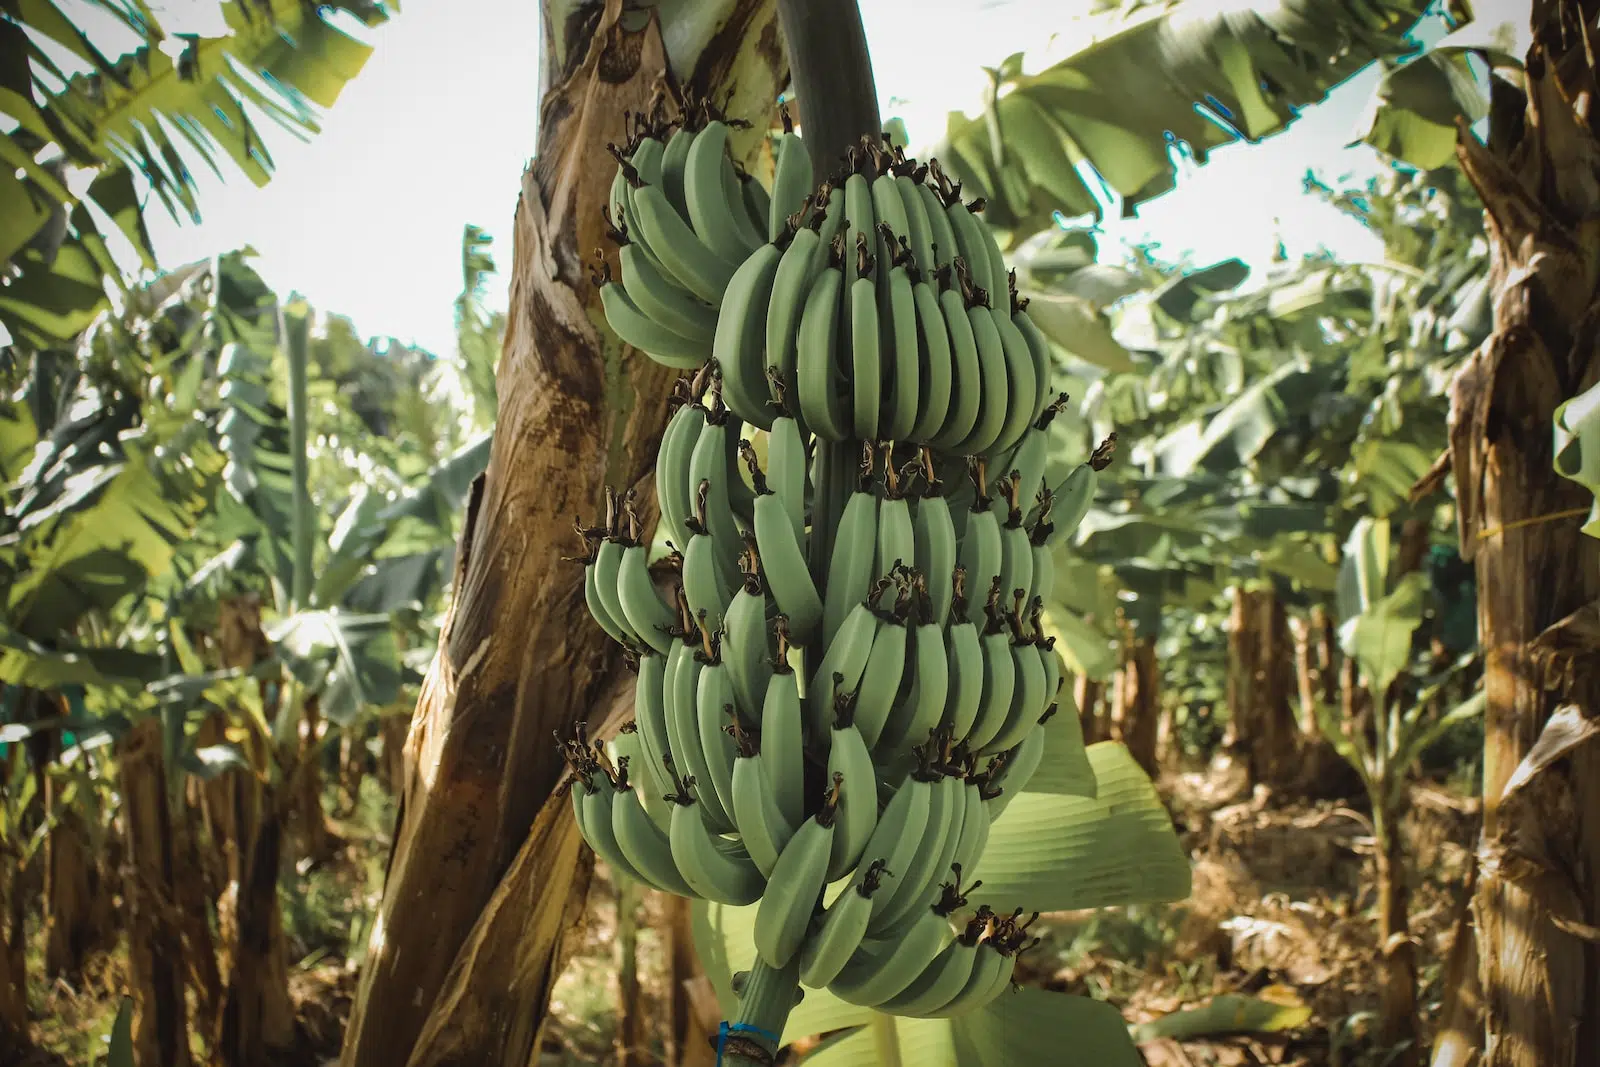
pixel 366 219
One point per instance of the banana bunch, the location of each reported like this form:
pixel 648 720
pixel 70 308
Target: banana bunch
pixel 684 217
pixel 842 672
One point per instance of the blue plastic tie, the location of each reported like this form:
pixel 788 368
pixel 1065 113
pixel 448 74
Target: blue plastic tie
pixel 742 1028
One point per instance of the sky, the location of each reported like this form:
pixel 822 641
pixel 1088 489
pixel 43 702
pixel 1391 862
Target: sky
pixel 366 219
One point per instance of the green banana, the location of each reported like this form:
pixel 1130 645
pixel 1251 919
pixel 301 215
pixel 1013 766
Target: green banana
pixel 920 711
pixel 964 652
pixel 1015 771
pixel 649 616
pixel 788 577
pixel 746 647
pixel 684 255
pixel 705 587
pixel 967 378
pixel 673 160
pixel 902 830
pixel 706 193
pixel 1023 388
pixel 975 821
pixel 796 884
pixel 885 668
pixel 634 327
pixel 897 542
pixel 664 301
pixel 714 712
pixel 980 549
pixel 902 359
pixel 748 204
pixel 844 923
pixel 792 175
pixel 756 811
pixel 783 734
pixel 902 900
pixel 791 284
pixel 673 491
pixel 936 362
pixel 829 203
pixel 645 845
pixel 650 718
pixel 739 347
pixel 683 733
pixel 850 567
pixel 1071 499
pixel 921 237
pixel 716 869
pixel 944 977
pixel 999 675
pixel 1038 350
pixel 599 832
pixel 859 228
pixel 709 473
pixel 991 970
pixel 934 541
pixel 855 785
pixel 993 385
pixel 941 238
pixel 824 403
pixel 866 357
pixel 845 658
pixel 877 972
pixel 597 606
pixel 786 463
pixel 607 567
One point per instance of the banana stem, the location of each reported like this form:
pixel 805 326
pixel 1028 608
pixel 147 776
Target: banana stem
pixel 769 995
pixel 832 72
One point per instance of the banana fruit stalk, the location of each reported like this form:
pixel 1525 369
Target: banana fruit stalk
pixel 842 671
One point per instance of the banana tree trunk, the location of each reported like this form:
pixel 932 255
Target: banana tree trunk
pixel 1136 701
pixel 155 935
pixel 482 866
pixel 1260 678
pixel 13 927
pixel 75 913
pixel 313 839
pixel 1538 895
pixel 1090 697
pixel 1397 993
pixel 1458 1040
pixel 256 1014
pixel 392 731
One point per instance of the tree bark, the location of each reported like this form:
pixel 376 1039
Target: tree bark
pixel 519 656
pixel 688 1043
pixel 632 1033
pixel 1539 179
pixel 1090 697
pixel 155 936
pixel 1459 1037
pixel 71 918
pixel 392 730
pixel 256 1012
pixel 1137 701
pixel 1261 721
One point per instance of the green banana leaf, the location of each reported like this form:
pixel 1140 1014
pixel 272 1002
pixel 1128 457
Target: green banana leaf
pixel 349 661
pixel 112 530
pixel 1577 426
pixel 1028 1026
pixel 1228 1013
pixel 25 662
pixel 149 112
pixel 1380 637
pixel 1413 115
pixel 1206 78
pixel 1061 853
pixel 119 1052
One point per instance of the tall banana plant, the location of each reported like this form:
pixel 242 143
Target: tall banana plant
pixel 140 121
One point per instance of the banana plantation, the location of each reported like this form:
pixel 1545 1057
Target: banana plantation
pixel 843 608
